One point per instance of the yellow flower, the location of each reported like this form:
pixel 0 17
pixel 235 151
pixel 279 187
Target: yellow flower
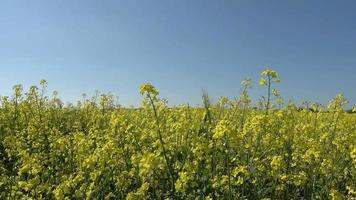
pixel 276 162
pixel 335 195
pixel 43 82
pixel 275 92
pixel 263 81
pixel 149 89
pixel 271 74
pixel 266 72
pixel 221 129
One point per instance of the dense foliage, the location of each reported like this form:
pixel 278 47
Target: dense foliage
pixel 96 149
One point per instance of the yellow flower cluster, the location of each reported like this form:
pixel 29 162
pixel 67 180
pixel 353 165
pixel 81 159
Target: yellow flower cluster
pixel 148 88
pixel 231 149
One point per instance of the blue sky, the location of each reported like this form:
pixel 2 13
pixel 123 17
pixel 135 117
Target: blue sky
pixel 181 46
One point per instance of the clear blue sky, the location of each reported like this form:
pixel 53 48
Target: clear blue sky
pixel 181 46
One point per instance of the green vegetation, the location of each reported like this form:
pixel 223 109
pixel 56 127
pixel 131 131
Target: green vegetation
pixel 228 150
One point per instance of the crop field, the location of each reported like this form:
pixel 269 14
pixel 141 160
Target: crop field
pixel 230 149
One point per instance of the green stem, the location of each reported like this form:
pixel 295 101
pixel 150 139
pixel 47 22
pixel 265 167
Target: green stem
pixel 170 170
pixel 269 94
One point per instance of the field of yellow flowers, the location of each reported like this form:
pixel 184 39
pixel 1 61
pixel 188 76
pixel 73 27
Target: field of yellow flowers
pixel 231 149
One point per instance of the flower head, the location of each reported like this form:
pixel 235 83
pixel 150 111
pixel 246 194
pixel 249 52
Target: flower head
pixel 149 89
pixel 263 82
pixel 271 74
pixel 275 92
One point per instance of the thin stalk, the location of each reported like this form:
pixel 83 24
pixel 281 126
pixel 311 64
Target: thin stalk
pixel 170 170
pixel 269 94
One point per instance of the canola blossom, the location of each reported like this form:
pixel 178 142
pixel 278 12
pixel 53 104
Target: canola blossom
pixel 232 149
